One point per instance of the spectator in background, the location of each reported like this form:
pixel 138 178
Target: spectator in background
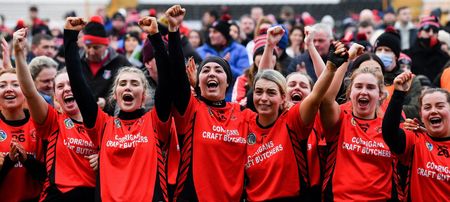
pixel 388 18
pixel 209 17
pixel 42 45
pixel 405 27
pixel 221 44
pixel 261 28
pixel 426 53
pixel 322 40
pixel 366 15
pixel 100 63
pixel 247 26
pixel 118 30
pixel 37 25
pixel 43 72
pixel 365 27
pixel 256 13
pixel 132 48
pixel 287 17
pixel 235 32
pixel 444 38
pixel 296 44
pixel 195 38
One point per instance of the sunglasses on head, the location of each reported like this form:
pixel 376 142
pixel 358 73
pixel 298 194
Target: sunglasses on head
pixel 427 28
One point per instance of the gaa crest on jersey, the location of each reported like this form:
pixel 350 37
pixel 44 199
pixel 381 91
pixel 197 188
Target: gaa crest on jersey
pixel 251 139
pixel 117 123
pixel 3 136
pixel 353 121
pixel 429 146
pixel 69 123
pixel 107 74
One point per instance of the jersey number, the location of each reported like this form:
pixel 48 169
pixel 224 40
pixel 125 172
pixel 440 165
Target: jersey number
pixel 20 137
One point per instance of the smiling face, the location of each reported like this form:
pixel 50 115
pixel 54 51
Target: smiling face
pixel 435 112
pixel 365 94
pixel 267 97
pixel 298 87
pixel 213 81
pixel 129 91
pixel 11 96
pixel 44 81
pixel 64 96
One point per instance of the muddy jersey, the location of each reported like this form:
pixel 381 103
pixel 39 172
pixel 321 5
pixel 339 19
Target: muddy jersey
pixel 276 165
pixel 429 162
pixel 360 165
pixel 18 184
pixel 68 145
pixel 213 152
pixel 131 164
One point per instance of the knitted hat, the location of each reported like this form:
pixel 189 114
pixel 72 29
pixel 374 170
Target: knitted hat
pixel 222 62
pixel 223 26
pixel 391 39
pixel 118 16
pixel 428 21
pixel 260 43
pixel 404 59
pixel 134 35
pixel 147 51
pixel 94 32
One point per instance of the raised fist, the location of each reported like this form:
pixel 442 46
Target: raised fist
pixel 149 25
pixel 74 23
pixel 175 16
pixel 20 40
pixel 403 81
pixel 355 51
pixel 337 54
pixel 274 35
pixel 310 32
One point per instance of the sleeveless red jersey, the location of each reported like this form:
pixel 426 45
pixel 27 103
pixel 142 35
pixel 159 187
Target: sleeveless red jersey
pixel 429 162
pixel 213 152
pixel 360 165
pixel 276 163
pixel 18 185
pixel 68 144
pixel 131 164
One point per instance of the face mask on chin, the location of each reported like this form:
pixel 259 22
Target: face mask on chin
pixel 387 60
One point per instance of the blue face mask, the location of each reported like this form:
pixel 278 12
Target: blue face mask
pixel 387 61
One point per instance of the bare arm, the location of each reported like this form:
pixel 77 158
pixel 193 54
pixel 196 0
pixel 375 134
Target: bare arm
pixel 274 35
pixel 318 63
pixel 36 103
pixel 5 54
pixel 310 105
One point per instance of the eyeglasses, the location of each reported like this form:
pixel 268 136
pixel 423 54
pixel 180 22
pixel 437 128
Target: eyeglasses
pixel 429 28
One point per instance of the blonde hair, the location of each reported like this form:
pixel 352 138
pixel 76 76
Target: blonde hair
pixel 367 70
pixel 39 63
pixel 277 78
pixel 125 70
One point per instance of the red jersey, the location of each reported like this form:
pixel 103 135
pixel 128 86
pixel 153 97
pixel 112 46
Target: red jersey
pixel 131 163
pixel 315 154
pixel 213 150
pixel 360 165
pixel 429 161
pixel 173 157
pixel 68 144
pixel 18 185
pixel 276 163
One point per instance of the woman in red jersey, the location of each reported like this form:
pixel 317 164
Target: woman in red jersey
pixel 131 163
pixel 70 151
pixel 212 132
pixel 359 160
pixel 426 153
pixel 21 169
pixel 277 142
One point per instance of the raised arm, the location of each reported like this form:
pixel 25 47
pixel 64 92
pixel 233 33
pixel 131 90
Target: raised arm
pixel 309 107
pixel 80 89
pixel 317 61
pixel 36 103
pixel 274 35
pixel 329 108
pixel 163 100
pixel 175 15
pixel 393 135
pixel 5 54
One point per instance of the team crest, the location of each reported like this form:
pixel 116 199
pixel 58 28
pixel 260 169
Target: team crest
pixel 251 139
pixel 69 123
pixel 33 135
pixel 353 121
pixel 429 146
pixel 117 123
pixel 3 136
pixel 107 74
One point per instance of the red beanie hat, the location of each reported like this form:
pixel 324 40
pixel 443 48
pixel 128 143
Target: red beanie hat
pixel 94 32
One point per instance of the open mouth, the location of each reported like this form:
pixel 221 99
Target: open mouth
pixel 296 97
pixel 10 97
pixel 435 120
pixel 69 99
pixel 128 98
pixel 363 102
pixel 212 84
